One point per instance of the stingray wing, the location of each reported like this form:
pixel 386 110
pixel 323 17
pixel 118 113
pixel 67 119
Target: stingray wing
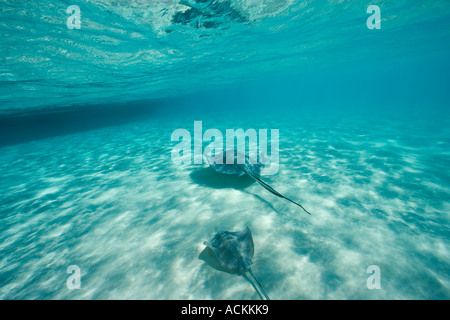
pixel 245 245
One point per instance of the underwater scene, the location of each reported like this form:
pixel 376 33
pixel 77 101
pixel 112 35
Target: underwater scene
pixel 225 149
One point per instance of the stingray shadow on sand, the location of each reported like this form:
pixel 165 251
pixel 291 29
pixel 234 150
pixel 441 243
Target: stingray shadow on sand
pixel 207 177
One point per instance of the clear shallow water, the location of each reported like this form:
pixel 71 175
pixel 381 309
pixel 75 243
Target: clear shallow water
pixel 111 201
pixel 364 145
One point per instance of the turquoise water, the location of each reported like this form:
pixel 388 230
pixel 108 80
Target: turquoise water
pixel 87 178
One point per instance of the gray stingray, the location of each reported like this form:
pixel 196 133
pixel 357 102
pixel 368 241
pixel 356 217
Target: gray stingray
pixel 234 252
pixel 233 167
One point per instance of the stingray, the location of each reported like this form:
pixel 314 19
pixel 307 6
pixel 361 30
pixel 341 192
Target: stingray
pixel 233 167
pixel 234 252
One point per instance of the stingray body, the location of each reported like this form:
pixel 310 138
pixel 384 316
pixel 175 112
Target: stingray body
pixel 232 162
pixel 234 251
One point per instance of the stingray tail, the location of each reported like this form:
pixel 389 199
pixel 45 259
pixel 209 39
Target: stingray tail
pixel 260 287
pixel 270 189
